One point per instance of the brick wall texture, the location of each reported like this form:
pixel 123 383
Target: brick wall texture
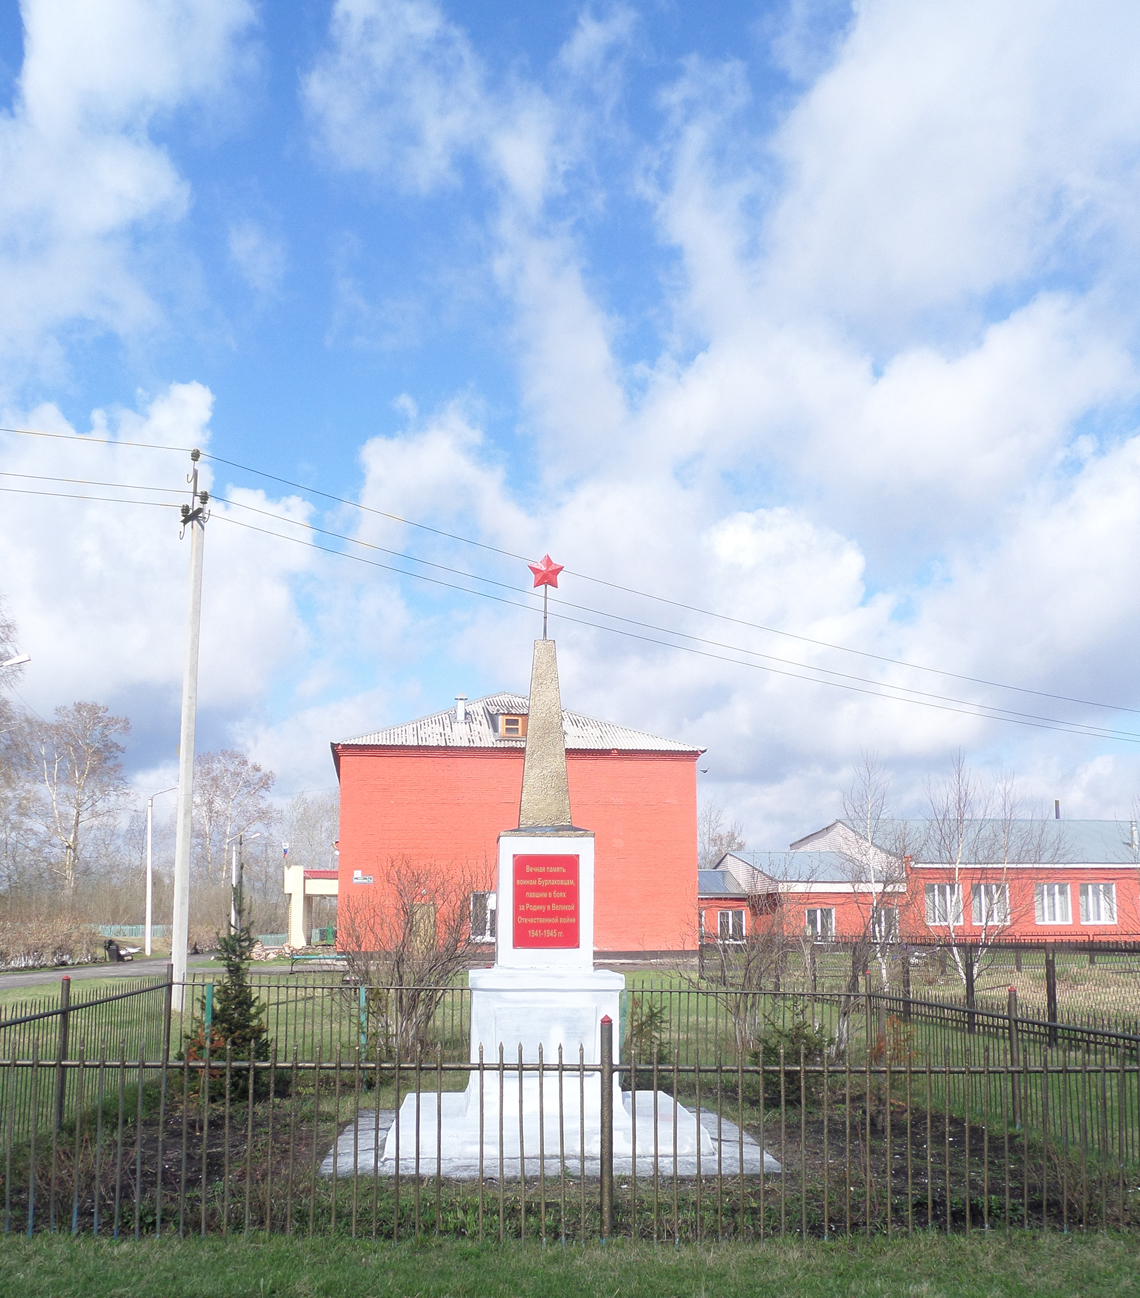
pixel 446 807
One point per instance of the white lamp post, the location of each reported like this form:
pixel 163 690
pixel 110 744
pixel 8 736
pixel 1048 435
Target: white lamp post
pixel 18 661
pixel 150 864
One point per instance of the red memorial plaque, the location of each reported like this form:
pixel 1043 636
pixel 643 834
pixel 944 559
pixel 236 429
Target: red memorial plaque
pixel 546 901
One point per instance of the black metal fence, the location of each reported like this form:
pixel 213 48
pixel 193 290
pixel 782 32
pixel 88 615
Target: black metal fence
pixel 130 1024
pixel 689 1021
pixel 1091 983
pixel 718 1113
pixel 711 1149
pixel 59 1024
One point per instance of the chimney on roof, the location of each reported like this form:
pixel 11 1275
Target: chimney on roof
pixel 461 707
pixel 1056 808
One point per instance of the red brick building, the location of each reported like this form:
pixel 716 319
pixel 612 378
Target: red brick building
pixel 1057 880
pixel 439 790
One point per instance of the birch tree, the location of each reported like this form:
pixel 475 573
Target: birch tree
pixel 75 781
pixel 231 797
pixel 971 824
pixel 15 838
pixel 875 861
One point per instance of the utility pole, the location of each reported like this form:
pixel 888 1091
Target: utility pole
pixel 193 518
pixel 150 867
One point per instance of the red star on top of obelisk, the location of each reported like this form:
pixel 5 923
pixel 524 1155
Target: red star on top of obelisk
pixel 546 572
pixel 545 575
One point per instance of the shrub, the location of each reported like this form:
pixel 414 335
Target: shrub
pixel 50 940
pixel 799 1035
pixel 645 1041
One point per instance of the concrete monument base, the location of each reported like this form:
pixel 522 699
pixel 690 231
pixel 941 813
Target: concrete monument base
pixel 714 1145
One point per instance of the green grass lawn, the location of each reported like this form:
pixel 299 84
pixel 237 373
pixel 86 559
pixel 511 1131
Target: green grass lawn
pixel 932 1267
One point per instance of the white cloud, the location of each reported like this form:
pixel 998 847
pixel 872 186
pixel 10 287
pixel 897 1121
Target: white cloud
pixel 101 605
pixel 398 93
pixel 887 333
pixel 83 177
pixel 258 255
pixel 950 151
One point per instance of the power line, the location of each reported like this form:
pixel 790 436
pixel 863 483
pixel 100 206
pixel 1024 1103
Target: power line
pixel 825 671
pixel 91 482
pixel 74 495
pixel 691 608
pixel 971 710
pixel 905 689
pixel 629 590
pixel 90 439
pixel 922 698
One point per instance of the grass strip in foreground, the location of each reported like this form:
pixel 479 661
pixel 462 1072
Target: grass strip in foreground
pixel 930 1266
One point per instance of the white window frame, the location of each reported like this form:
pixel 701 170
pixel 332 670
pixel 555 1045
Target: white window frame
pixel 943 905
pixel 819 923
pixel 989 904
pixel 490 927
pixel 1105 899
pixel 1045 898
pixel 876 926
pixel 727 922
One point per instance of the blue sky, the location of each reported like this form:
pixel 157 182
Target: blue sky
pixel 815 316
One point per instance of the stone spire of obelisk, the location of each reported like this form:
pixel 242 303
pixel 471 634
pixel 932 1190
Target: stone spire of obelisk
pixel 545 798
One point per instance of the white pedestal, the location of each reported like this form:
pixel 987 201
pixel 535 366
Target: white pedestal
pixel 531 1007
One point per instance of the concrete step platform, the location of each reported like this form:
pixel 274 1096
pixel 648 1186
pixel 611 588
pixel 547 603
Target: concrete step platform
pixel 361 1146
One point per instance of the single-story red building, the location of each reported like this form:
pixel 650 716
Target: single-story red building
pixel 437 792
pixel 1059 880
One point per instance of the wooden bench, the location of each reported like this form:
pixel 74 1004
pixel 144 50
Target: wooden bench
pixel 322 961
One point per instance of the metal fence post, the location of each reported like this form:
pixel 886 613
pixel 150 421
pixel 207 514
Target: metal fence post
pixel 607 1141
pixel 906 983
pixel 167 1000
pixel 61 1047
pixel 1014 1060
pixel 1051 992
pixel 971 1003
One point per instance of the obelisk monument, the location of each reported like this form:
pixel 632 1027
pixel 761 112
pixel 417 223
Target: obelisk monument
pixel 542 1002
pixel 543 987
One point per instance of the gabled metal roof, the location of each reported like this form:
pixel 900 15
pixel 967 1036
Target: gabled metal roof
pixel 806 867
pixel 986 842
pixel 477 730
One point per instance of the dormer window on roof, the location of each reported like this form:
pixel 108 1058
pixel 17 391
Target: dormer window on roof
pixel 512 725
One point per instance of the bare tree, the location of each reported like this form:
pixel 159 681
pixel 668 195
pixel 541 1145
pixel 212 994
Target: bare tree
pixel 75 776
pixel 716 835
pixel 230 798
pixel 312 823
pixel 874 856
pixel 410 948
pixel 13 790
pixel 973 824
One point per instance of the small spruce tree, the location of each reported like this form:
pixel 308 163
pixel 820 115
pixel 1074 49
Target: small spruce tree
pixel 238 1017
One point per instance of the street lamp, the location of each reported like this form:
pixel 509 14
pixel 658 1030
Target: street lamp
pixel 18 661
pixel 236 876
pixel 150 864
